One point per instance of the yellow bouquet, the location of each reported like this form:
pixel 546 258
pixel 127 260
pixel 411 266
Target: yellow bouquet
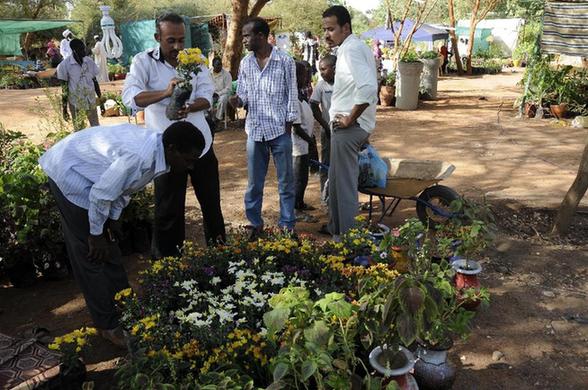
pixel 190 62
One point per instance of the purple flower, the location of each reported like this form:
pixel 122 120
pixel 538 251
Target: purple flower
pixel 209 271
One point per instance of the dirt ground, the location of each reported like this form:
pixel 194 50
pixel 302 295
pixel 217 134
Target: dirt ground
pixel 538 316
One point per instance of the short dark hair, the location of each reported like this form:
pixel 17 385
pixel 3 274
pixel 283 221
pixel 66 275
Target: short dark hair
pixel 259 25
pixel 184 136
pixel 77 44
pixel 329 59
pixel 340 13
pixel 170 17
pixel 216 59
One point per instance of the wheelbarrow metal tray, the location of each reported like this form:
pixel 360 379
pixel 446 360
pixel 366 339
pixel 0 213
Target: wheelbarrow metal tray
pixel 408 178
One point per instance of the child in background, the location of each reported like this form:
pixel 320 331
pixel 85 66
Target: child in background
pixel 320 102
pixel 301 138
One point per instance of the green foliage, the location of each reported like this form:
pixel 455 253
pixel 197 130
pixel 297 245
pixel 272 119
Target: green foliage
pixel 527 40
pixel 117 97
pixel 430 55
pixel 29 220
pixel 15 79
pixel 493 51
pixel 116 68
pixel 410 56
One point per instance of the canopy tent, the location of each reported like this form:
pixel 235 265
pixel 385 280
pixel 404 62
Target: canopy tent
pixel 480 38
pixel 10 30
pixel 425 33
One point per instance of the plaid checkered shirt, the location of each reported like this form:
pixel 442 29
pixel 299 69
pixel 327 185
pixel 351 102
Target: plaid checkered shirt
pixel 270 95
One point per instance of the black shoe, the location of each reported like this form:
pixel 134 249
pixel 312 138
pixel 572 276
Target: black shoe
pixel 253 233
pixel 305 207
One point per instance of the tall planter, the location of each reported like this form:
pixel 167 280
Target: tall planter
pixel 430 77
pixel 407 85
pixel 432 370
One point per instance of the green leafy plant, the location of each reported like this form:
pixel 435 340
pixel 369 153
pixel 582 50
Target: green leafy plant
pixel 430 55
pixel 117 97
pixel 410 56
pixel 116 68
pixel 390 80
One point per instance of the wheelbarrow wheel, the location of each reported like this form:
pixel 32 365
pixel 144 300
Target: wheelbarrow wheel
pixel 438 196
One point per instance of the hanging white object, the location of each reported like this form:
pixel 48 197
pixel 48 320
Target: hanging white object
pixel 112 44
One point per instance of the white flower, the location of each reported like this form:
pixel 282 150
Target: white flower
pixel 266 277
pixel 263 331
pixel 383 255
pixel 224 316
pixel 214 281
pixel 279 280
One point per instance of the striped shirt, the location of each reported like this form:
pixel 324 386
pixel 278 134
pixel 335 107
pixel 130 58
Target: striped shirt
pixel 100 167
pixel 270 94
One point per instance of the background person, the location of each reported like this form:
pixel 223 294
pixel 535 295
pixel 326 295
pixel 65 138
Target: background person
pixel 100 60
pixel 64 45
pixel 79 85
pixel 148 85
pixel 91 175
pixel 267 86
pixel 223 84
pixel 320 103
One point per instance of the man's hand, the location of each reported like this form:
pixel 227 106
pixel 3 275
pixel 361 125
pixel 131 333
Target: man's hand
pixel 235 101
pixel 170 87
pixel 99 248
pixel 342 121
pixel 184 111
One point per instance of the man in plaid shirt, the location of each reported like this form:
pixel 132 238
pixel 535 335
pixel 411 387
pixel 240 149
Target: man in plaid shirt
pixel 267 88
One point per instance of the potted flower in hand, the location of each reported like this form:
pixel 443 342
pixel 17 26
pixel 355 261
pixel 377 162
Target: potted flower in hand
pixel 190 62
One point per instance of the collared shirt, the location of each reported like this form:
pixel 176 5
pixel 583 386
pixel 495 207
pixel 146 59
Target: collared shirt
pixel 82 94
pixel 270 94
pixel 322 94
pixel 99 167
pixel 306 122
pixel 223 82
pixel 355 82
pixel 150 72
pixel 64 48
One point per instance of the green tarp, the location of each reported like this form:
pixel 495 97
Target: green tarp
pixel 10 30
pixel 139 36
pixel 480 37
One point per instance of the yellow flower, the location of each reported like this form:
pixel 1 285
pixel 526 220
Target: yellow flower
pixel 54 346
pixel 122 294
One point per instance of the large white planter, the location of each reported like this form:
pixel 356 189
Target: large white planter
pixel 430 77
pixel 407 85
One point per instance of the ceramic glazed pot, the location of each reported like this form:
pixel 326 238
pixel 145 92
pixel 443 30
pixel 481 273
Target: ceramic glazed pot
pixel 400 373
pixel 467 277
pixel 432 370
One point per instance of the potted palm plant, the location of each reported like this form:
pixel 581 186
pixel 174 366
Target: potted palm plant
pixel 409 80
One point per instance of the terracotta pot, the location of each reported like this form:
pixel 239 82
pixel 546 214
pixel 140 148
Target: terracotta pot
pixel 400 374
pixel 120 76
pixel 466 277
pixel 141 116
pixel 559 110
pixel 530 110
pixel 387 95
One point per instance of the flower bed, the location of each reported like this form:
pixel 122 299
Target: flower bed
pixel 281 312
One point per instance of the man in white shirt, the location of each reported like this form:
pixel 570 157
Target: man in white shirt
pixel 92 174
pixel 64 48
pixel 100 60
pixel 223 84
pixel 79 85
pixel 352 114
pixel 148 86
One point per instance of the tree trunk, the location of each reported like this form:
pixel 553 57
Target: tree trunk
pixel 568 206
pixel 473 23
pixel 454 41
pixel 234 46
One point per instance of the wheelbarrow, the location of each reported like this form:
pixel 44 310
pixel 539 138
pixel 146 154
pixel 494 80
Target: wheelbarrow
pixel 415 180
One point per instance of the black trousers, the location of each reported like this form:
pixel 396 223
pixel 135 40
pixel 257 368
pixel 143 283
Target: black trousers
pixel 99 282
pixel 300 166
pixel 169 230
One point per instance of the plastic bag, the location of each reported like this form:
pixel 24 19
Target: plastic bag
pixel 372 169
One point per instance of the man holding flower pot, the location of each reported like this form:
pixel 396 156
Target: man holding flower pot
pixel 149 85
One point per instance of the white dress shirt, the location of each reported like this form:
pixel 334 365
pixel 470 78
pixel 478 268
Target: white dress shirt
pixel 355 82
pixel 99 167
pixel 80 81
pixel 149 72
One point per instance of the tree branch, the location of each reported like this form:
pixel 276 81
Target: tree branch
pixel 257 7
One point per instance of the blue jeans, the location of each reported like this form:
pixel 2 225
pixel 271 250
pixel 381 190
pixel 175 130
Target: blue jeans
pixel 258 153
